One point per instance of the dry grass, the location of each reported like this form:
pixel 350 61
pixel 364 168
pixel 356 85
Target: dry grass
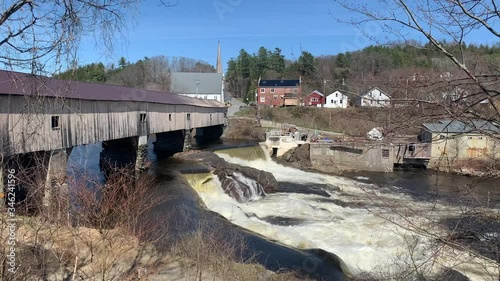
pixel 244 128
pixel 351 121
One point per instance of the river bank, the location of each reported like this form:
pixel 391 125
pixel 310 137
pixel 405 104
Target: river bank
pixel 340 127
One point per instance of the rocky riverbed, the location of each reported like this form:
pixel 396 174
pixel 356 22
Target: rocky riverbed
pixel 232 176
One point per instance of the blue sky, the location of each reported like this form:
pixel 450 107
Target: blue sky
pixel 193 27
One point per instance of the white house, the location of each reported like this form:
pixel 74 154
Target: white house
pixel 337 100
pixel 373 98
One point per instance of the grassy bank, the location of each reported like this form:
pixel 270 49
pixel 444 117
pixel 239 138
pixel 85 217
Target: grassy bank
pixel 351 121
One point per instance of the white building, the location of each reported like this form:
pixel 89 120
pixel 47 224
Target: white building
pixel 198 85
pixel 337 100
pixel 373 98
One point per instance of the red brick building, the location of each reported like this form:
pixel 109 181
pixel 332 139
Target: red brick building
pixel 279 92
pixel 314 99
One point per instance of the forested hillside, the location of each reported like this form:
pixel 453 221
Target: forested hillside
pixel 148 73
pixel 391 67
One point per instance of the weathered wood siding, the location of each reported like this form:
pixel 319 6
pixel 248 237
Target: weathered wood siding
pixel 26 123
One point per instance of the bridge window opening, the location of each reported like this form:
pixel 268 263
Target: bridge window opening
pixel 170 117
pixel 142 117
pixel 55 122
pixel 385 153
pixel 189 116
pixel 210 117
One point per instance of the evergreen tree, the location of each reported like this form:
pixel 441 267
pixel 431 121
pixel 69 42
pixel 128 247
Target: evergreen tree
pixel 306 64
pixel 122 63
pixel 277 62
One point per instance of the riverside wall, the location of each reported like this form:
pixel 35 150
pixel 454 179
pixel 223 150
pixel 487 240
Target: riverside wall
pixel 345 157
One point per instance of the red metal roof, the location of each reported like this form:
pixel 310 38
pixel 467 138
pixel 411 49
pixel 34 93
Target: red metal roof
pixel 17 83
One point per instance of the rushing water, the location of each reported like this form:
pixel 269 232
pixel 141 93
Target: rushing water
pixel 346 216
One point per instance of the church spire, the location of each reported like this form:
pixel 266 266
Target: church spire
pixel 219 59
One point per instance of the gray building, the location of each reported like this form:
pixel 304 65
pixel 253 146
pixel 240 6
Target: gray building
pixel 198 85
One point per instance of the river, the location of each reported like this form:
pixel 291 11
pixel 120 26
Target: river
pixel 372 221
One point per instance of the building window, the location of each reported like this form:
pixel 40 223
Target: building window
pixel 336 95
pixel 142 117
pixel 262 99
pixel 315 99
pixel 262 90
pixel 331 101
pixel 55 122
pixel 170 117
pixel 442 137
pixel 385 153
pixel 189 116
pixel 210 117
pixel 340 101
pixel 272 90
pixel 335 102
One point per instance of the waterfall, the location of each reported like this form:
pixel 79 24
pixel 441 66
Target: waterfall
pixel 247 189
pixel 237 186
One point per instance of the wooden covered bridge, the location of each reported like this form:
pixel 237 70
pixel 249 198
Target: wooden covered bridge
pixel 42 114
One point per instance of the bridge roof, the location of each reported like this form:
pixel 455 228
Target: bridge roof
pixel 17 83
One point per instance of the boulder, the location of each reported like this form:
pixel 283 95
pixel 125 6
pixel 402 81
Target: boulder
pixel 242 183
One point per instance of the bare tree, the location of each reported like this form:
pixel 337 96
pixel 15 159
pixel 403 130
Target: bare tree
pixel 439 21
pixel 457 92
pixel 35 34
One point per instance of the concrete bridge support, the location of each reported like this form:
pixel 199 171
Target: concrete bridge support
pixel 208 134
pixel 55 197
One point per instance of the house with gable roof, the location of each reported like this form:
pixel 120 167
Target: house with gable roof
pixel 337 99
pixel 373 98
pixel 315 98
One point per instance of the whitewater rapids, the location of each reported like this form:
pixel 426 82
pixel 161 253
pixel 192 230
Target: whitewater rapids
pixel 352 221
